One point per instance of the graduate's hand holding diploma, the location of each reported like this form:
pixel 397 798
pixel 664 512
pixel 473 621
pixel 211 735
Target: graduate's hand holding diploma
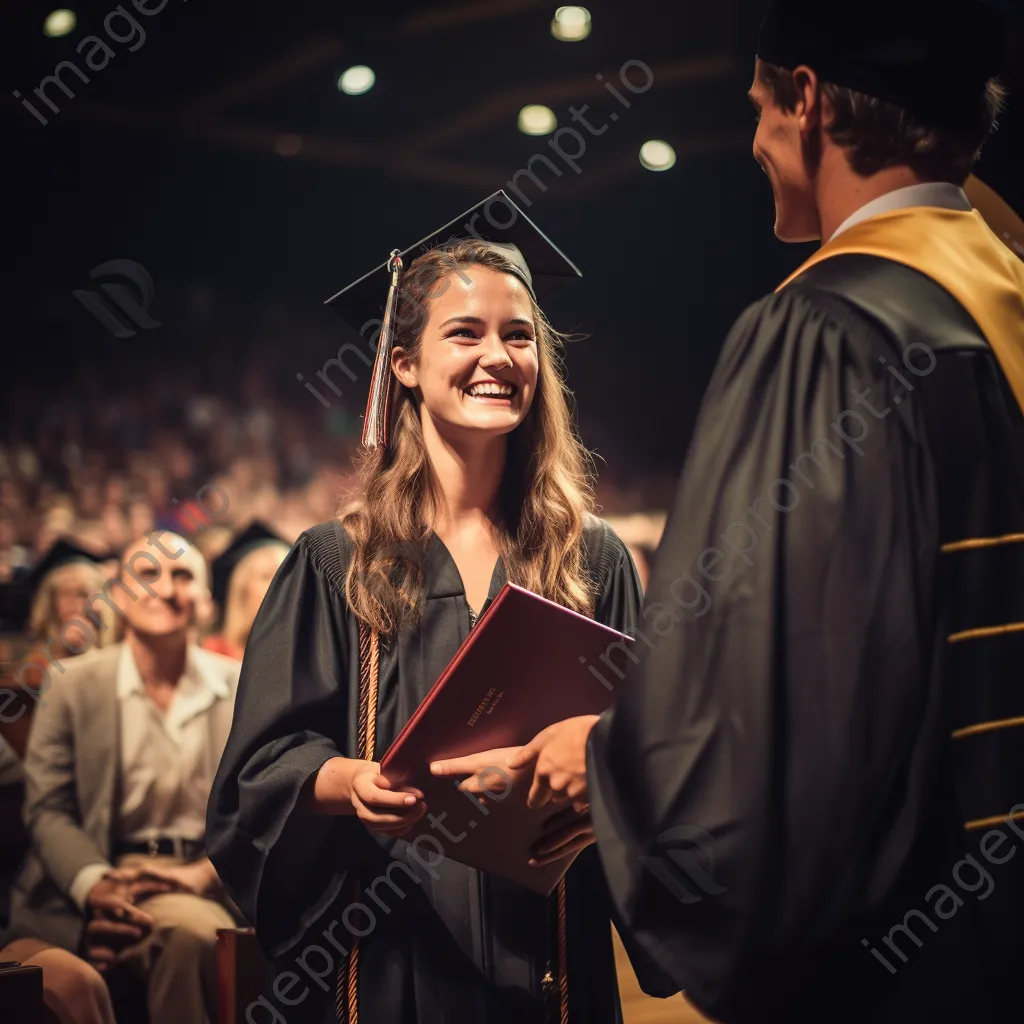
pixel 346 785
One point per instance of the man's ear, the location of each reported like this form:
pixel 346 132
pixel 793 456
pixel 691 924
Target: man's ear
pixel 808 107
pixel 404 368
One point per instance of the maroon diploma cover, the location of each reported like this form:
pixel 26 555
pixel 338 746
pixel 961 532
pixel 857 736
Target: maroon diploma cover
pixel 527 664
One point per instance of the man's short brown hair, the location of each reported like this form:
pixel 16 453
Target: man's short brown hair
pixel 878 134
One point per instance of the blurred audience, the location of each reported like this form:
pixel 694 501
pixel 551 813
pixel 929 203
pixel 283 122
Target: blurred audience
pixel 111 450
pixel 14 558
pixel 117 865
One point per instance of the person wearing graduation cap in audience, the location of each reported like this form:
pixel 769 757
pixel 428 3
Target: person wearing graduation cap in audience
pixel 241 575
pixel 472 475
pixel 61 620
pixel 809 793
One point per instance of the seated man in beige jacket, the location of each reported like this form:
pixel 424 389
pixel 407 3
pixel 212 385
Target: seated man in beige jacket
pixel 122 752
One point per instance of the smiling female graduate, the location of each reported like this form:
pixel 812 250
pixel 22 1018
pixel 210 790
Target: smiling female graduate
pixel 472 476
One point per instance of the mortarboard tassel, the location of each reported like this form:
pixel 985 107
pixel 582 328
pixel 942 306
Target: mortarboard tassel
pixel 375 423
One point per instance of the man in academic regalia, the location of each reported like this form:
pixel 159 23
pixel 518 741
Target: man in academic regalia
pixel 809 796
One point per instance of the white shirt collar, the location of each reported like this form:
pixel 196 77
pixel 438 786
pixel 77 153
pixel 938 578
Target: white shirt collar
pixel 930 193
pixel 198 685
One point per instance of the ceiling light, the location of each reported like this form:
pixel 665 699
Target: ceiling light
pixel 59 23
pixel 536 119
pixel 656 155
pixel 571 24
pixel 357 80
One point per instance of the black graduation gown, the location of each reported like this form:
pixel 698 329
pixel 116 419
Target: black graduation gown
pixel 783 783
pixel 454 945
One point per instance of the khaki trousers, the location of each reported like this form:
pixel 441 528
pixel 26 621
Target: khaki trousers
pixel 177 959
pixel 74 992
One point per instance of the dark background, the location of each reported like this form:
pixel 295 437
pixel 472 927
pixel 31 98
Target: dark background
pixel 167 157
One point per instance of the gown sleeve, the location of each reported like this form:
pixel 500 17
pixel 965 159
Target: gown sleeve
pixel 282 866
pixel 762 742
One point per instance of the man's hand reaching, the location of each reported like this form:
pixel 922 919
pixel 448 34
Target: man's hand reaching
pixel 558 755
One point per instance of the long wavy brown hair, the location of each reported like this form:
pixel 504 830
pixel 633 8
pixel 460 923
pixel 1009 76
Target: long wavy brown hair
pixel 545 492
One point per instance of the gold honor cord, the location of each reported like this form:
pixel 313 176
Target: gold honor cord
pixel 563 954
pixel 346 1001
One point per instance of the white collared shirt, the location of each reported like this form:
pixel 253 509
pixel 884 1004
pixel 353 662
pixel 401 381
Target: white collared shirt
pixel 167 758
pixel 943 194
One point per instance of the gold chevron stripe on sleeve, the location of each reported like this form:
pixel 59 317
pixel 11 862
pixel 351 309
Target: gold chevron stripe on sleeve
pixel 983 631
pixel 1002 723
pixel 982 542
pixel 997 819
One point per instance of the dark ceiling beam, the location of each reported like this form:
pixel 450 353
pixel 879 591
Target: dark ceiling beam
pixel 260 138
pixel 592 180
pixel 473 12
pixel 595 180
pixel 309 56
pixel 328 151
pixel 353 155
pixel 503 105
pixel 320 50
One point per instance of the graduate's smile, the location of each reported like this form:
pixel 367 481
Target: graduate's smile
pixel 491 392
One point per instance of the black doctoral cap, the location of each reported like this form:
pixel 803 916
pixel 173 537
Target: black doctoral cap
pixel 17 597
pixel 931 59
pixel 539 263
pixel 255 535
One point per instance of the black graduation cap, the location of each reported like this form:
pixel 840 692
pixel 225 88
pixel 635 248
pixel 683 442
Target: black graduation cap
pixel 16 598
pixel 930 59
pixel 541 265
pixel 255 535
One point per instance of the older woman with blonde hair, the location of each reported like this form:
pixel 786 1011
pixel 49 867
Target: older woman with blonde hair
pixel 65 618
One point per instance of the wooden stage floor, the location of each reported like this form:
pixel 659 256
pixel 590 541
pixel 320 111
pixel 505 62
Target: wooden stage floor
pixel 640 1009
